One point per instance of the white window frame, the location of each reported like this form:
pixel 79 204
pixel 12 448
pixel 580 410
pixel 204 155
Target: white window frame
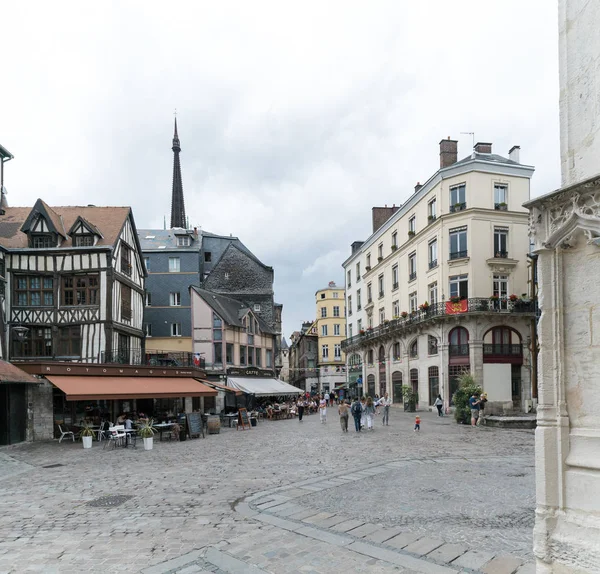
pixel 323 312
pixel 454 284
pixel 256 307
pixel 358 300
pixel 358 272
pixel 174 264
pixel 412 302
pixel 325 351
pixel 432 208
pixel 323 330
pixel 381 315
pixel 336 311
pixel 432 253
pixel 337 351
pixel 432 289
pixel 380 251
pixel 175 299
pixel 395 277
pixel 462 241
pixel 350 304
pixel 412 224
pixel 396 308
pixel 148 329
pixel 183 241
pixel 336 330
pixel 456 191
pixel 350 330
pixel 359 325
pixel 395 239
pixel 500 198
pixel 175 329
pixel 412 265
pixel 349 279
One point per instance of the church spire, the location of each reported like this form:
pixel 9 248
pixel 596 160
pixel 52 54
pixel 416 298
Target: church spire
pixel 178 218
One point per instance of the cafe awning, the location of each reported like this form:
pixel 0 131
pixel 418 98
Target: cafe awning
pixel 262 387
pixel 11 374
pixel 81 388
pixel 220 387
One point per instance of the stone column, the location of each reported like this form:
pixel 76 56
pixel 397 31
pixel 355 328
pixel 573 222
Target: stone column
pixel 444 374
pixel 476 361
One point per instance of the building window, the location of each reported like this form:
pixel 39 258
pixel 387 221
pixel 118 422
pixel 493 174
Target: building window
pixel 336 330
pixel 349 279
pixel 394 240
pixel 414 380
pixel 412 225
pixel 381 315
pixel 175 299
pixel 396 351
pixel 350 303
pixel 368 265
pixel 500 196
pixel 432 345
pixel 269 359
pixel 34 291
pixel 147 263
pixel 174 264
pixel 229 353
pixel 370 357
pixel 323 312
pixel 459 286
pixel 148 329
pixel 256 308
pixel 350 330
pixel 412 302
pixel 243 351
pixel 37 343
pixel 125 302
pixel 84 240
pixel 458 243
pixel 380 251
pixel 336 295
pixel 370 322
pixel 80 290
pixel 394 277
pixel 380 283
pixel 501 242
pixel 258 357
pixel 217 328
pixel 183 241
pixel 458 200
pixel 148 297
pixel 218 353
pixel 412 266
pixel 336 311
pixel 500 289
pixel 434 384
pixel 369 294
pixel 396 309
pixel 42 241
pixel 207 256
pixel 175 329
pixel 433 293
pixel 126 267
pixel 323 330
pixel 358 272
pixel 325 351
pixel 413 350
pixel 432 211
pixel 359 325
pixel 358 300
pixel 69 341
pixel 432 249
pixel 337 352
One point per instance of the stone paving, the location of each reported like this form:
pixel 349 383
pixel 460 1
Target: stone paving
pixel 282 497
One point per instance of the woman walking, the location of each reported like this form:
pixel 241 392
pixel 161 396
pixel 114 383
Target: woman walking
pixel 439 403
pixel 363 416
pixel 323 410
pixel 343 412
pixel 369 412
pixel 300 406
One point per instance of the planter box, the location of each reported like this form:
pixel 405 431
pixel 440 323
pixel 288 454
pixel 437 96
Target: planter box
pixel 148 443
pixel 87 441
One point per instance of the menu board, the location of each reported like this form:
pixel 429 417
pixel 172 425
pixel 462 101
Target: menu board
pixel 194 424
pixel 243 419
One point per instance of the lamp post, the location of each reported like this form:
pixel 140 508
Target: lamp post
pixel 20 332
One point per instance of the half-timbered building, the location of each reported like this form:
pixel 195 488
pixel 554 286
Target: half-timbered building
pixel 74 283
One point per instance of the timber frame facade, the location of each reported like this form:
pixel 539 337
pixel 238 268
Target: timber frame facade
pixel 73 284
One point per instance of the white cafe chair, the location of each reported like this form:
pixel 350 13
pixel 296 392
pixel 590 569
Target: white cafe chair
pixel 64 434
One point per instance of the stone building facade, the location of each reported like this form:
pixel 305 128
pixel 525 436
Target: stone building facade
pixel 304 346
pixel 565 229
pixel 441 287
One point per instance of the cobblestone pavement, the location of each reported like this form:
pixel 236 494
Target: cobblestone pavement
pixel 450 497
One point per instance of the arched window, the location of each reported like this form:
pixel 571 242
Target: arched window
pixel 371 385
pixel 381 354
pixel 459 342
pixel 414 380
pixel 370 356
pixel 434 384
pixel 354 360
pixel 432 345
pixel 414 349
pixel 397 353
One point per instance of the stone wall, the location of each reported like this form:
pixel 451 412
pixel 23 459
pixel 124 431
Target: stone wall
pixel 40 415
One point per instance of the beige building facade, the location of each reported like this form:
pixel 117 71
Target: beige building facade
pixel 330 327
pixel 441 285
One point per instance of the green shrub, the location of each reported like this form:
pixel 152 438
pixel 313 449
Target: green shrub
pixel 466 388
pixel 410 398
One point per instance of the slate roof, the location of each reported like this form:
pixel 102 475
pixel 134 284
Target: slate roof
pixel 234 241
pixel 486 157
pixel 108 220
pixel 153 239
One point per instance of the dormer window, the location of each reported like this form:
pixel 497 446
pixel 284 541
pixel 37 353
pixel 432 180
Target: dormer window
pixel 42 241
pixel 83 233
pixel 183 241
pixel 85 240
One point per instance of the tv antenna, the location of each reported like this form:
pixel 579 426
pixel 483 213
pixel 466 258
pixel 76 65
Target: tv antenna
pixel 472 134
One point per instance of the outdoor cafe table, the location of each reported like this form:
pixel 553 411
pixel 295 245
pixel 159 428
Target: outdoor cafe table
pixel 231 417
pixel 162 427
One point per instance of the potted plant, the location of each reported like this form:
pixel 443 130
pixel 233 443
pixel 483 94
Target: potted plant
pixel 410 399
pixel 146 431
pixel 502 206
pixel 494 298
pixel 362 332
pixel 424 306
pixel 404 314
pixel 87 435
pixel 513 297
pixel 380 259
pixel 466 388
pixel 431 217
pixel 455 299
pixel 458 206
pixel 368 268
pixel 411 233
pixel 394 247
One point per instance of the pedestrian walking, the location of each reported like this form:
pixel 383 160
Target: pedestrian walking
pixel 417 423
pixel 300 409
pixel 363 416
pixel 356 410
pixel 369 412
pixel 331 399
pixel 326 396
pixel 439 403
pixel 474 406
pixel 482 401
pixel 343 412
pixel 386 402
pixel 323 410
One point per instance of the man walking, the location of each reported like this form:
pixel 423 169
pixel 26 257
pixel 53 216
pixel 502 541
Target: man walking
pixel 386 402
pixel 343 412
pixel 356 411
pixel 474 406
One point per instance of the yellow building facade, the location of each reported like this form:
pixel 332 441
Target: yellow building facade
pixel 330 326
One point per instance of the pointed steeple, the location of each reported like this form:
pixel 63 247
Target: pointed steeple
pixel 178 218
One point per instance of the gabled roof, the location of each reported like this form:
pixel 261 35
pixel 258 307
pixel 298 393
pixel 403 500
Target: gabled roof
pixel 108 220
pixel 234 242
pixel 166 239
pixel 92 228
pixel 52 218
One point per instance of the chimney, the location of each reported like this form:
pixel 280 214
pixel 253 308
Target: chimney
pixel 514 153
pixel 481 147
pixel 418 186
pixel 356 245
pixel 195 231
pixel 448 152
pixel 381 215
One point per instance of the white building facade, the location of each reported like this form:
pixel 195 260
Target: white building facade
pixel 441 286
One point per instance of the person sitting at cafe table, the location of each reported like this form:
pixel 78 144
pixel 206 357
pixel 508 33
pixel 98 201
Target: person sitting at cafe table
pixel 121 419
pixel 128 422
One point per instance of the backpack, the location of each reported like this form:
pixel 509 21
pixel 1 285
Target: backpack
pixel 356 409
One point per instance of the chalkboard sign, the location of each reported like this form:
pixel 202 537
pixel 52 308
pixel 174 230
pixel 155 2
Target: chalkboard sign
pixel 194 424
pixel 243 419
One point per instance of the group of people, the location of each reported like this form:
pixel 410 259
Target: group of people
pixel 477 405
pixel 362 410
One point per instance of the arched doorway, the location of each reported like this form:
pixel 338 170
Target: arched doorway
pixel 371 385
pixel 382 381
pixel 397 387
pixel 434 384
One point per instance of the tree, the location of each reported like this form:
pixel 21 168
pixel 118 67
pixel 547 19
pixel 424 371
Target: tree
pixel 466 388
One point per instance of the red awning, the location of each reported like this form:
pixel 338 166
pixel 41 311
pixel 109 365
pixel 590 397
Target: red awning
pixel 81 388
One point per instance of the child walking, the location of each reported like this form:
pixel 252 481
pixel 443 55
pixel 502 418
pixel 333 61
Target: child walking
pixel 323 410
pixel 417 423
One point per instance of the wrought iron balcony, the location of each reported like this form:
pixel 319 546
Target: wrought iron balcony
pixel 440 311
pixel 458 254
pixel 502 350
pixel 501 206
pixel 501 255
pixel 458 207
pixel 458 350
pixel 412 276
pixel 433 264
pixel 154 358
pixel 431 219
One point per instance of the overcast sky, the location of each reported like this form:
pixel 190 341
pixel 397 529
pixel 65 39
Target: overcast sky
pixel 295 118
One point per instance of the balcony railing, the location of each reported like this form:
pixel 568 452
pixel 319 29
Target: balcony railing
pixel 501 255
pixel 458 254
pixel 412 276
pixel 458 350
pixel 458 207
pixel 502 350
pixel 394 286
pixel 433 264
pixel 501 206
pixel 154 359
pixel 431 219
pixel 440 311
